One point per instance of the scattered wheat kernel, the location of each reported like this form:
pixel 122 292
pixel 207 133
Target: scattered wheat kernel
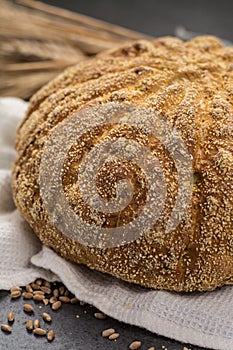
pixel 56 305
pixel 28 308
pixel 47 284
pixel 35 286
pixel 82 303
pixel 45 301
pixel 46 290
pixel 52 300
pixel 108 332
pixel 29 288
pixel 14 289
pixel 27 295
pixel 114 336
pixel 39 331
pixel 185 348
pixel 100 315
pixel 38 297
pixel 11 317
pixel 46 317
pixel 152 348
pixel 6 328
pixel 135 345
pixel 15 294
pixel 66 293
pixel 38 292
pixel 61 290
pixel 56 292
pixel 64 299
pixel 36 324
pixel 51 335
pixel 29 325
pixel 39 281
pixel 74 301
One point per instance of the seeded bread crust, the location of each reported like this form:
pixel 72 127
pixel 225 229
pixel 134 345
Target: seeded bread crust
pixel 192 85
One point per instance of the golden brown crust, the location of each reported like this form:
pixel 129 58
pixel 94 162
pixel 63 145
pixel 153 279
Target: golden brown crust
pixel 192 85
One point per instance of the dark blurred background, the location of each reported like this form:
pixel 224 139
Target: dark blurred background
pixel 159 18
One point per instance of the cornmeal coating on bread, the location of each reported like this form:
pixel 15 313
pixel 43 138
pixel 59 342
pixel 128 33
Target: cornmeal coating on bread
pixel 191 85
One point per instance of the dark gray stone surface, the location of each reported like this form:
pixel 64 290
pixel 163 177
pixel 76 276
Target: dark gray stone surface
pixel 73 333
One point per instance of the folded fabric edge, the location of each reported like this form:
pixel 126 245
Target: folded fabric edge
pixel 157 325
pixel 21 277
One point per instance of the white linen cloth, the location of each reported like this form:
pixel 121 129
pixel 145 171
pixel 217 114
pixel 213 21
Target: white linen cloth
pixel 204 319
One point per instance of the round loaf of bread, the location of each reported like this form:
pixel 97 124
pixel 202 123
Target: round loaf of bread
pixel 188 87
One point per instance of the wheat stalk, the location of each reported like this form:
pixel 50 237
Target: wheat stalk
pixel 37 41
